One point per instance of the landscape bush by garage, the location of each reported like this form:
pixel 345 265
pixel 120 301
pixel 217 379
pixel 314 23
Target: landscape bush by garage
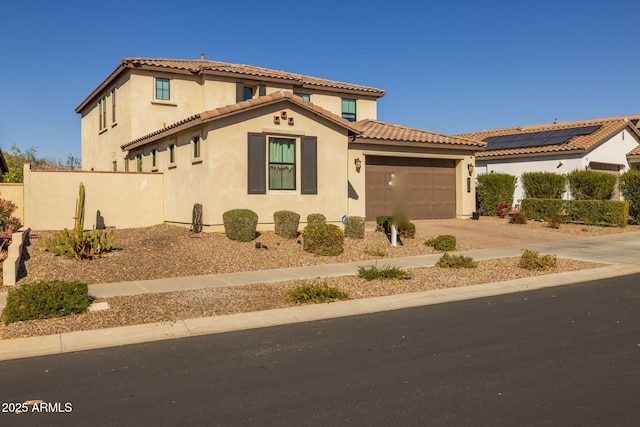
pixel 539 209
pixel 240 224
pixel 46 299
pixel 354 227
pixel 543 185
pixel 591 185
pixel 494 188
pixel 323 239
pixel 405 228
pixel 286 224
pixel 316 218
pixel 630 189
pixel 590 212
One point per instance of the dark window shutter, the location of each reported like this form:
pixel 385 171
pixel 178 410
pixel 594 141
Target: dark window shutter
pixel 262 90
pixel 239 91
pixel 309 164
pixel 257 164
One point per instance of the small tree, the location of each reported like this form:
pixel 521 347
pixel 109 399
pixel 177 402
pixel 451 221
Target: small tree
pixel 8 223
pixel 630 189
pixel 543 185
pixel 494 188
pixel 591 185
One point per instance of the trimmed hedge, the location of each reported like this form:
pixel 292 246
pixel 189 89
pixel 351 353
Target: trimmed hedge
pixel 240 224
pixel 543 185
pixel 286 224
pixel 630 190
pixel 590 212
pixel 591 185
pixel 354 227
pixel 316 218
pixel 323 239
pixel 494 188
pixel 46 299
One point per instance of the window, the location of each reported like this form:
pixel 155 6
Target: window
pixel 162 89
pixel 113 105
pixel 248 93
pixel 115 165
pixel 139 162
pixel 154 157
pixel 196 147
pixel 172 153
pixel 282 164
pixel 126 164
pixel 304 96
pixel 349 109
pixel 102 111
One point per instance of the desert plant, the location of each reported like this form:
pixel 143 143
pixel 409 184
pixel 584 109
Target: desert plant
pixel 554 220
pixel 532 260
pixel 8 224
pixel 240 224
pixel 494 188
pixel 518 218
pixel 543 185
pixel 456 261
pixel 323 239
pixel 46 299
pixel 375 250
pixel 79 218
pixel 372 272
pixel 630 189
pixel 383 222
pixel 315 293
pixel 444 243
pixel 591 185
pixel 316 218
pixel 354 227
pixel 286 224
pixel 80 244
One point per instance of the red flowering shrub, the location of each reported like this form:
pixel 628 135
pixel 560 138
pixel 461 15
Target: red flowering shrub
pixel 8 224
pixel 503 209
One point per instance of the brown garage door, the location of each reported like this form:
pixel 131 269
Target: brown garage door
pixel 431 182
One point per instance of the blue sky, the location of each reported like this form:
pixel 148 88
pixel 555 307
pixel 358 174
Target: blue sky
pixel 447 66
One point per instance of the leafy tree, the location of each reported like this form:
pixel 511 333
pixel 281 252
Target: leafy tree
pixel 16 157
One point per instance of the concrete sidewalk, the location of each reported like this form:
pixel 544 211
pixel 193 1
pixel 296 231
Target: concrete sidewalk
pixel 622 251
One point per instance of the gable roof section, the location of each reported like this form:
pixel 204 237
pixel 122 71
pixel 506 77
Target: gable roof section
pixel 205 66
pixel 230 110
pixel 579 143
pixel 377 132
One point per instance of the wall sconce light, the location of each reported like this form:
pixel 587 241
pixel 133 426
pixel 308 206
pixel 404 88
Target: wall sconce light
pixel 358 164
pixel 559 164
pixel 470 168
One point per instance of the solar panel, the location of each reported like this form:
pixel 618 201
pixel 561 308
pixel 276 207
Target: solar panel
pixel 537 139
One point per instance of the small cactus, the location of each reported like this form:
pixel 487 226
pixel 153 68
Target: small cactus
pixel 80 208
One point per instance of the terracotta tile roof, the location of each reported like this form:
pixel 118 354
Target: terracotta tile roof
pixel 609 126
pixel 210 115
pixel 381 131
pixel 205 66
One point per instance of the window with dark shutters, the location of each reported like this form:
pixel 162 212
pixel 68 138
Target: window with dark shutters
pixel 239 92
pixel 309 165
pixel 257 164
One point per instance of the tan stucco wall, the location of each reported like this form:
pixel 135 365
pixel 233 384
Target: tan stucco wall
pixel 465 202
pixel 14 193
pixel 125 200
pixel 219 180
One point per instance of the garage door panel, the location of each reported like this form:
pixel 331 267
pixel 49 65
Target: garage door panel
pixel 431 186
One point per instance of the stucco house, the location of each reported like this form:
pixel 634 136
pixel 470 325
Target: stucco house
pixel 238 136
pixel 604 144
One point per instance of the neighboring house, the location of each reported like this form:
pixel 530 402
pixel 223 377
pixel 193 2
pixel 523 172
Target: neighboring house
pixel 272 141
pixel 605 144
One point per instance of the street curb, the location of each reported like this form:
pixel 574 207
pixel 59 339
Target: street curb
pixel 125 335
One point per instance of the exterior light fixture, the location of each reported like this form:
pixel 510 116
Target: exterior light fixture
pixel 358 164
pixel 470 168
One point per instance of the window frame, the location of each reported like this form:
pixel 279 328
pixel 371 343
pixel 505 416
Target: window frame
pixel 113 106
pixel 348 115
pixel 305 96
pixel 139 163
pixel 172 153
pixel 162 89
pixel 270 185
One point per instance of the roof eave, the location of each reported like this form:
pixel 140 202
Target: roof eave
pixel 416 144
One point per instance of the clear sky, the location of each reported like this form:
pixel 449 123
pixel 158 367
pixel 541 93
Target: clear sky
pixel 449 66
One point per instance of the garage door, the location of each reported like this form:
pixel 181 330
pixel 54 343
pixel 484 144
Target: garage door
pixel 431 183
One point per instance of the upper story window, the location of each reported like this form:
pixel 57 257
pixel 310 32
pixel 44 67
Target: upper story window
pixel 154 158
pixel 126 164
pixel 162 89
pixel 113 105
pixel 282 164
pixel 304 96
pixel 172 153
pixel 102 111
pixel 196 147
pixel 349 109
pixel 139 162
pixel 248 93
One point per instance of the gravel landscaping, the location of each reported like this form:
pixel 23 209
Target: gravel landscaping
pixel 167 251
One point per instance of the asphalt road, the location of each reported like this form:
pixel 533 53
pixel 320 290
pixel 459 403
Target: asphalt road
pixel 568 355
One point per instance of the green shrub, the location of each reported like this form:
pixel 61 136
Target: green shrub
pixel 543 185
pixel 598 212
pixel 532 260
pixel 444 243
pixel 456 261
pixel 315 293
pixel 554 220
pixel 43 300
pixel 518 218
pixel 408 231
pixel 323 239
pixel 316 218
pixel 383 222
pixel 630 190
pixel 591 185
pixel 494 188
pixel 80 244
pixel 286 224
pixel 354 227
pixel 240 224
pixel 372 272
pixel 539 209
